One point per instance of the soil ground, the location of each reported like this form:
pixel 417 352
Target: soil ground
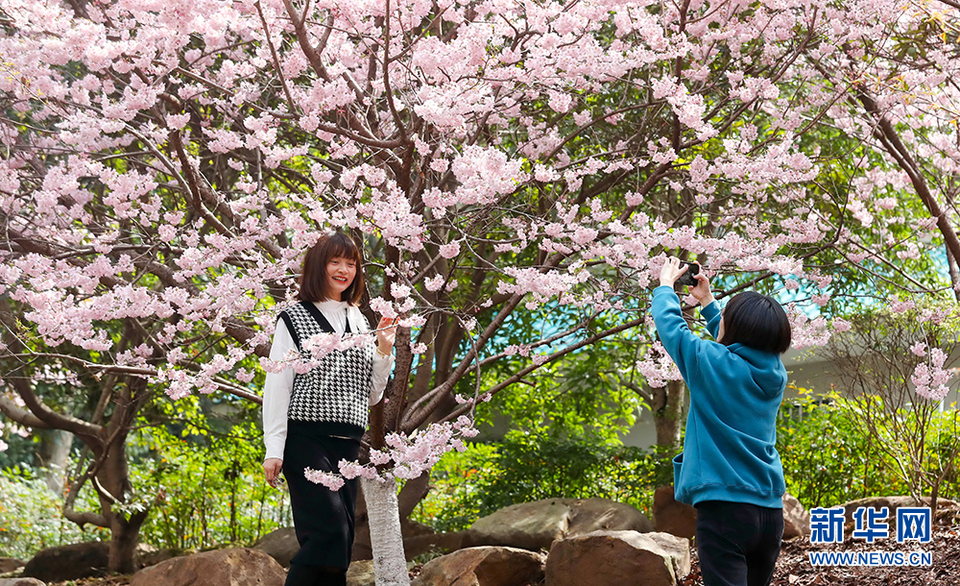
pixel 794 567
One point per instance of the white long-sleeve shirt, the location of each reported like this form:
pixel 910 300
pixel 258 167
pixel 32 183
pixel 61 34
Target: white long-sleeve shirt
pixel 277 387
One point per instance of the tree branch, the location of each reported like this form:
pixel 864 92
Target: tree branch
pixel 13 411
pixel 889 137
pixel 518 376
pixel 414 420
pixel 387 88
pixel 88 432
pixel 276 60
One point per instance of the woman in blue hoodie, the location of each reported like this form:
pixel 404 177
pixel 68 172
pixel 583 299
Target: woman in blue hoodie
pixel 729 469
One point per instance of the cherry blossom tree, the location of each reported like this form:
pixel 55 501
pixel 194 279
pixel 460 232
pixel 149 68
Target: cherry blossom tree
pixel 167 162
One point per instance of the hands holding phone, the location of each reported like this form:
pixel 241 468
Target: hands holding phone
pixel 673 272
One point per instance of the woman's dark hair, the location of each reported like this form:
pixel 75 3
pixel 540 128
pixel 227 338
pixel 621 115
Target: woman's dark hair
pixel 313 280
pixel 756 321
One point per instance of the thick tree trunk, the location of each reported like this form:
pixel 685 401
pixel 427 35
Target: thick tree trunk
pixel 124 537
pixel 114 485
pixel 668 413
pixel 383 512
pixel 124 527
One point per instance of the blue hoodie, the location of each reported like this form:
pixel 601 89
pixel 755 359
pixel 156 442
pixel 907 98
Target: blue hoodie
pixel 729 452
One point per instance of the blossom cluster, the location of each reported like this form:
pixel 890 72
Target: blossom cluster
pixel 657 367
pixel 404 456
pixel 930 378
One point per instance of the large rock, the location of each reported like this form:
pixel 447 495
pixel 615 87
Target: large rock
pixel 21 582
pixel 796 518
pixel 483 566
pixel 10 564
pixel 69 562
pixel 671 516
pixel 432 543
pixel 536 525
pixel 281 545
pixel 225 567
pixel 617 558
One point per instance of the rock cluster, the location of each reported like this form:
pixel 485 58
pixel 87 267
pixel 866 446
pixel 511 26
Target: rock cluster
pixel 557 542
pixel 567 542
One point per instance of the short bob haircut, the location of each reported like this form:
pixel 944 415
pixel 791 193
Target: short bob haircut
pixel 756 321
pixel 313 280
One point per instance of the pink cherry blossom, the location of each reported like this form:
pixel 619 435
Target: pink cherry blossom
pixel 331 481
pixel 166 165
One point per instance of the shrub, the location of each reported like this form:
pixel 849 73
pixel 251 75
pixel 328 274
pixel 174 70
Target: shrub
pixel 31 516
pixel 828 458
pixel 528 466
pixel 208 493
pixel 202 493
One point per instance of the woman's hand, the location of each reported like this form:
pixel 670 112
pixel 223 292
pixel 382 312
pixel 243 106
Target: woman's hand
pixel 671 271
pixel 701 291
pixel 386 334
pixel 271 470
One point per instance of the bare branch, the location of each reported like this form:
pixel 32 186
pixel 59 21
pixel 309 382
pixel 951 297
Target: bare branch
pixel 276 60
pixel 88 432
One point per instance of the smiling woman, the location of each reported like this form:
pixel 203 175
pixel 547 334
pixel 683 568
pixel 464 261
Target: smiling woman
pixel 314 419
pixel 338 279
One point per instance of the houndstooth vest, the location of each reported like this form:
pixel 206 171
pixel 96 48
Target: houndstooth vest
pixel 338 389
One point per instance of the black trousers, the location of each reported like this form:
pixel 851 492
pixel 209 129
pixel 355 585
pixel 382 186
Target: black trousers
pixel 323 518
pixel 738 543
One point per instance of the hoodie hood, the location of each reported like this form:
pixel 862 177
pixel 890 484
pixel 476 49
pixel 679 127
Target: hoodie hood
pixel 766 368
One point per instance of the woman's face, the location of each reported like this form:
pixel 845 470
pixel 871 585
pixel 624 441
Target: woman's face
pixel 340 274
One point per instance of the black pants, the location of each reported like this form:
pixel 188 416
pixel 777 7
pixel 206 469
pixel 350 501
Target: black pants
pixel 738 544
pixel 323 518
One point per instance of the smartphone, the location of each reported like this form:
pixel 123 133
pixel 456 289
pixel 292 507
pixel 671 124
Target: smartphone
pixel 687 277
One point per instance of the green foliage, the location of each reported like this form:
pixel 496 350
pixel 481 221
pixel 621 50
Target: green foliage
pixel 203 490
pixel 529 466
pixel 19 449
pixel 829 458
pixel 592 390
pixel 875 363
pixel 208 492
pixel 452 503
pixel 943 440
pixel 31 515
